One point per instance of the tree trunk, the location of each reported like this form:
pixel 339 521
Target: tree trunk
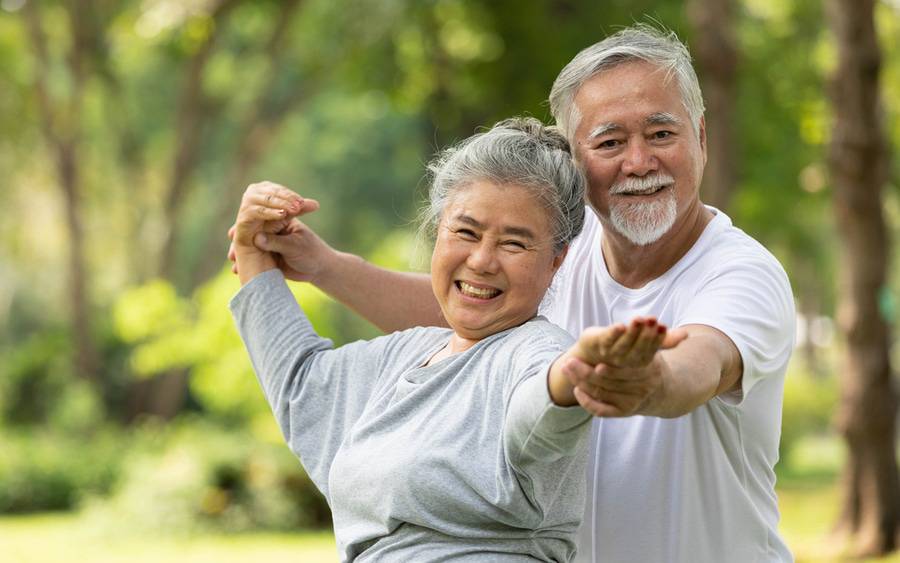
pixel 62 133
pixel 858 159
pixel 717 57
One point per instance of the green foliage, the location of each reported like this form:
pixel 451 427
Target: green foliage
pixel 53 471
pixel 168 332
pixel 809 402
pixel 32 375
pixel 194 475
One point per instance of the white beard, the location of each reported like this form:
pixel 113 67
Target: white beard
pixel 644 223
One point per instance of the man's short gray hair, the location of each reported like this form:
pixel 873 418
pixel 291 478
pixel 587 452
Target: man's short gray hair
pixel 641 42
pixel 518 151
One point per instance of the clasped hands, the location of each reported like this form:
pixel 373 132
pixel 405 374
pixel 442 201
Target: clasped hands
pixel 267 234
pixel 617 370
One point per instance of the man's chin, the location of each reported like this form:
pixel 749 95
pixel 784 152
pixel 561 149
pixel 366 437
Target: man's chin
pixel 644 224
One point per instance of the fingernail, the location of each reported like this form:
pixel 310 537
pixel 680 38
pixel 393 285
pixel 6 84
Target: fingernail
pixel 263 239
pixel 651 322
pixel 661 329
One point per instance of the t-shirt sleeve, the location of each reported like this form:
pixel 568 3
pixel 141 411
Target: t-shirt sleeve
pixel 750 301
pixel 316 392
pixel 536 430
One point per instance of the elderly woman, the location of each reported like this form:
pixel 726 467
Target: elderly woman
pixel 434 443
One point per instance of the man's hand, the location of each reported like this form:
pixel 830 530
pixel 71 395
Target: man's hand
pixel 299 252
pixel 616 369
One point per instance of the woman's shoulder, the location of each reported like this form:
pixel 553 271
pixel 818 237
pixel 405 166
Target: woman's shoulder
pixel 539 332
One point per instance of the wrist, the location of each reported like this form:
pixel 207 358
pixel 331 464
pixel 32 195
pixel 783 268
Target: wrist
pixel 560 389
pixel 655 403
pixel 252 262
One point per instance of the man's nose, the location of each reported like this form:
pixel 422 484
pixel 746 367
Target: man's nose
pixel 639 159
pixel 483 258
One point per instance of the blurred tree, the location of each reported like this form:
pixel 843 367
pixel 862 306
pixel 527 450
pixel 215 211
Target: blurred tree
pixel 715 51
pixel 62 128
pixel 859 163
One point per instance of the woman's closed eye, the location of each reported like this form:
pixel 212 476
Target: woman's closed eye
pixel 514 245
pixel 466 234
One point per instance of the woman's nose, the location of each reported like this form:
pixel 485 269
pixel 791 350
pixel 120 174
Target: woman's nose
pixel 483 258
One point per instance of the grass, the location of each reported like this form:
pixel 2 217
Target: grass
pixel 70 537
pixel 808 498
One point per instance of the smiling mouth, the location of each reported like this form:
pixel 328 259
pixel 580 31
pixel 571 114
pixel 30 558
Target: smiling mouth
pixel 477 292
pixel 645 192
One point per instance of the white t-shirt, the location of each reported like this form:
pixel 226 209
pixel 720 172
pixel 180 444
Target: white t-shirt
pixel 700 487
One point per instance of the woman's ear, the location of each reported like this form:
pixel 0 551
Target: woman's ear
pixel 558 259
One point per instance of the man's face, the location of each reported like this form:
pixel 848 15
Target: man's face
pixel 639 149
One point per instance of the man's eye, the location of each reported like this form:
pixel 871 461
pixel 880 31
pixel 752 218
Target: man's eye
pixel 514 244
pixel 662 134
pixel 608 144
pixel 466 234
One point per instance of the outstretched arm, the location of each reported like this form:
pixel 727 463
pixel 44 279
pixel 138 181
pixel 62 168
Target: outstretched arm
pixel 390 300
pixel 673 383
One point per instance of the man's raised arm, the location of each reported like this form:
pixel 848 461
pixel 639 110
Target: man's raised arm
pixel 388 299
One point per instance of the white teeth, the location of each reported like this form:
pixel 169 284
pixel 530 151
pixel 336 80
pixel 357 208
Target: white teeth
pixel 481 293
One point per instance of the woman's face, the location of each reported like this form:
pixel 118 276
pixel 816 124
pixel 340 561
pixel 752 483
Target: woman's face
pixel 493 258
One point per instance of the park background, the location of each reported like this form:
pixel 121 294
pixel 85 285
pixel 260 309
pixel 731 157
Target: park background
pixel 131 424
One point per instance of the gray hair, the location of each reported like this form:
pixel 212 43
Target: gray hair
pixel 520 151
pixel 641 42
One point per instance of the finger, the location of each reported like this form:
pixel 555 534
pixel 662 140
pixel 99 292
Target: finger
pixel 576 370
pixel 594 343
pixel 275 226
pixel 271 200
pixel 257 212
pixel 275 243
pixel 308 206
pixel 646 345
pixel 616 390
pixel 294 226
pixel 624 344
pixel 595 407
pixel 674 338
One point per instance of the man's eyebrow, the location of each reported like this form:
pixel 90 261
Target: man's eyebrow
pixel 662 118
pixel 603 129
pixel 523 232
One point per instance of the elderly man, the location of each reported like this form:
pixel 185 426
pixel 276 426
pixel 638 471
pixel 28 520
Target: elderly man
pixel 683 447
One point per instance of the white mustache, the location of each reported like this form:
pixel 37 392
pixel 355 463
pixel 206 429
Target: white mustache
pixel 634 184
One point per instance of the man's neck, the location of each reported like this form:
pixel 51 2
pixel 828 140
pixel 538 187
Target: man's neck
pixel 635 266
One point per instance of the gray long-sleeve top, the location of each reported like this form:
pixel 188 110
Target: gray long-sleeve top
pixel 467 459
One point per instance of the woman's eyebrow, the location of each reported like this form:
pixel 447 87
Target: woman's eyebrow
pixel 523 232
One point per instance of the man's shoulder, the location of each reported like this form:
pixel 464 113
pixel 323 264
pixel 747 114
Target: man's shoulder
pixel 726 247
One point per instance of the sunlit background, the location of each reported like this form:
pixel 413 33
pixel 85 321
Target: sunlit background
pixel 131 424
